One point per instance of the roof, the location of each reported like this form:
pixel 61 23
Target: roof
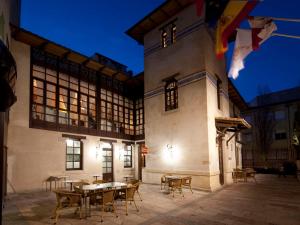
pixel 235 96
pixel 279 97
pixel 158 16
pixel 231 124
pixel 108 66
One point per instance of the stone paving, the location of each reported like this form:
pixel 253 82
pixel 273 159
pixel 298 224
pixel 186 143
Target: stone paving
pixel 272 201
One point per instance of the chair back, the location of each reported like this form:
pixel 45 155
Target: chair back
pixel 108 196
pixel 130 191
pixel 98 181
pixel 67 198
pixel 175 183
pixel 187 180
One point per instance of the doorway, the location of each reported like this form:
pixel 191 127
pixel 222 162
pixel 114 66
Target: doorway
pixel 107 164
pixel 142 160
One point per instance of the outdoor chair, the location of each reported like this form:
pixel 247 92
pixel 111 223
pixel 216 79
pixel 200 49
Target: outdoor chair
pixel 98 181
pixel 238 174
pixel 127 195
pixel 67 199
pixel 250 173
pixel 107 202
pixel 176 184
pixel 187 182
pixel 136 183
pixel 163 180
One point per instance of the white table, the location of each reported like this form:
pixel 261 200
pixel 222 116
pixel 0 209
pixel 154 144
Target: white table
pixel 71 182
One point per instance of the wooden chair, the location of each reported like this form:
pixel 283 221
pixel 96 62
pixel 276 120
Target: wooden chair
pixel 250 173
pixel 176 184
pixel 127 195
pixel 67 199
pixel 187 182
pixel 163 180
pixel 136 183
pixel 238 174
pixel 107 202
pixel 98 181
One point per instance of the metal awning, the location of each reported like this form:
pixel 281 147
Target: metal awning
pixel 231 124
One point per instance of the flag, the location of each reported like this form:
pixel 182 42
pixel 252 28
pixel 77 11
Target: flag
pixel 242 48
pixel 249 40
pixel 234 13
pixel 199 6
pixel 262 28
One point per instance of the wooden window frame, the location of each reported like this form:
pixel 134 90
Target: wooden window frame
pixel 69 79
pixel 80 155
pixel 171 94
pixel 126 155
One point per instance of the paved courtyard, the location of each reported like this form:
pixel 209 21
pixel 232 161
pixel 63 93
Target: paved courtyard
pixel 272 201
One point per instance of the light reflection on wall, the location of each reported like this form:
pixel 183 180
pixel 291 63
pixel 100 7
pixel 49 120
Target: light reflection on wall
pixel 171 154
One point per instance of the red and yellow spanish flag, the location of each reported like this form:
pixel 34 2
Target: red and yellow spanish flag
pixel 234 13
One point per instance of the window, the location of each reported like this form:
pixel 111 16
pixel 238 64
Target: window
pixel 139 115
pixel 171 95
pixel 280 135
pixel 279 115
pixel 128 156
pixel 74 154
pixel 173 33
pixel 219 83
pixel 70 97
pixel 164 38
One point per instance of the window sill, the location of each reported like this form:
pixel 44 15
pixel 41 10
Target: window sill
pixel 171 111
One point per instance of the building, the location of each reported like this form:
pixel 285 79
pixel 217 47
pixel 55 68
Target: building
pixel 9 14
pixel 280 110
pixel 187 105
pixel 82 116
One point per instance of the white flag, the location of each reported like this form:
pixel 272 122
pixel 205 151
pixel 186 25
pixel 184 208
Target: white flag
pixel 242 48
pixel 249 40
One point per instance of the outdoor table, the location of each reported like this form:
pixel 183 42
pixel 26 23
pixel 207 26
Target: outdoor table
pixel 95 187
pixel 96 176
pixel 127 177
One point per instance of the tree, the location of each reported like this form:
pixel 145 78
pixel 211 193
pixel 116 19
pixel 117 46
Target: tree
pixel 263 124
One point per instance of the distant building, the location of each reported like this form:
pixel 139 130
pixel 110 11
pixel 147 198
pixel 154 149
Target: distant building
pixel 283 110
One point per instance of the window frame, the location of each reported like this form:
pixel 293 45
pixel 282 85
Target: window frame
pixel 80 155
pixel 171 94
pixel 128 155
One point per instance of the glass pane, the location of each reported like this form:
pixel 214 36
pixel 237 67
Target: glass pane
pixel 109 164
pixel 70 158
pixel 76 165
pixel 69 150
pixel 76 158
pixel 77 144
pixel 69 165
pixel 76 150
pixel 104 170
pixel 108 170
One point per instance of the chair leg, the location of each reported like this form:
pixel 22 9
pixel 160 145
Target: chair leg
pixel 139 195
pixel 102 212
pixel 191 189
pixel 126 207
pixel 114 209
pixel 135 206
pixel 56 217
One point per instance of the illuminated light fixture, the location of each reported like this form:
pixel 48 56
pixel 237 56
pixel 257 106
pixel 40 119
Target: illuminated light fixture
pixel 170 148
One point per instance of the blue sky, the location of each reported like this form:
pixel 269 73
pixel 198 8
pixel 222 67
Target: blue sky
pixel 98 26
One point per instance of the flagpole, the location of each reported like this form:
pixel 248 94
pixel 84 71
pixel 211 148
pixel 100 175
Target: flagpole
pixel 286 35
pixel 286 19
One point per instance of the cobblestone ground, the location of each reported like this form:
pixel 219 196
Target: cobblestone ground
pixel 272 201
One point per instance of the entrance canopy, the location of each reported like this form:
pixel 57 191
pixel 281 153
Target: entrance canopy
pixel 231 124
